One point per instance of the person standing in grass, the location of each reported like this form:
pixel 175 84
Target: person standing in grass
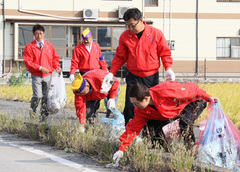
pixel 87 56
pixel 93 86
pixel 165 102
pixel 40 58
pixel 141 46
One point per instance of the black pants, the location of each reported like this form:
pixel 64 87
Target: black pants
pixel 132 79
pixel 187 117
pixel 92 107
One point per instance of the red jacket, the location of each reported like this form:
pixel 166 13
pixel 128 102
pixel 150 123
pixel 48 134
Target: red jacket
pixel 142 55
pixel 95 79
pixel 34 57
pixel 85 61
pixel 169 98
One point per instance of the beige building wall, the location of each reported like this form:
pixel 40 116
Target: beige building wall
pixel 216 19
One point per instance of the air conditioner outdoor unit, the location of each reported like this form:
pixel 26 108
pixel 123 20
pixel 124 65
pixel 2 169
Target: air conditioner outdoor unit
pixel 90 14
pixel 121 11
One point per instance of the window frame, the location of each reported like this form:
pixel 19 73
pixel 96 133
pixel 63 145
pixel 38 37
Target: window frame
pixel 151 4
pixel 230 49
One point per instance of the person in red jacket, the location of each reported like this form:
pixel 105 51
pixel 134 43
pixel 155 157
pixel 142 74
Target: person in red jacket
pixel 40 58
pixel 93 86
pixel 164 103
pixel 87 56
pixel 141 47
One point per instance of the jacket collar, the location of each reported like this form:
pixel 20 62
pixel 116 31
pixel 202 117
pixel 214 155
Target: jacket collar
pixel 146 32
pixel 35 44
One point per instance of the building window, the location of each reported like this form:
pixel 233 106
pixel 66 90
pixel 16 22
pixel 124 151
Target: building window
pixel 104 36
pixel 59 39
pixel 25 37
pixel 65 38
pixel 228 48
pixel 117 31
pixel 228 0
pixel 151 3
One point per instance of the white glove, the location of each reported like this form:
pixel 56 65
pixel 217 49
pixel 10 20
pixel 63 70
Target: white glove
pixel 170 75
pixel 71 77
pixel 117 156
pixel 106 85
pixel 111 104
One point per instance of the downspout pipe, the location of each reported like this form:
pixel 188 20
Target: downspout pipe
pixel 3 60
pixel 4 38
pixel 170 22
pixel 163 16
pixel 143 9
pixel 196 70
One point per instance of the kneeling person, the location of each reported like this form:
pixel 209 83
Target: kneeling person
pixel 164 102
pixel 89 89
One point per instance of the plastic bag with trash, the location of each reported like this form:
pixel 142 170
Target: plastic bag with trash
pixel 57 96
pixel 219 141
pixel 172 130
pixel 116 124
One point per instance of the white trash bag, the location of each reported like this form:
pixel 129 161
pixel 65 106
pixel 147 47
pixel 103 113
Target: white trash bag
pixel 57 96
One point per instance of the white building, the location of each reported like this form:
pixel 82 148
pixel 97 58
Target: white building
pixel 204 34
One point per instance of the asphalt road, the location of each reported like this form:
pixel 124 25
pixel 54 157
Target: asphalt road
pixel 23 155
pixel 18 108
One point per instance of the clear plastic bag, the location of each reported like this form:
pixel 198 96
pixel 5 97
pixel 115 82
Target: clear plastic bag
pixel 57 96
pixel 219 141
pixel 116 124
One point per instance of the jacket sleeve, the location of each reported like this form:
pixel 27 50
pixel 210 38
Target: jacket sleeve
pixel 103 63
pixel 75 60
pixel 114 89
pixel 28 59
pixel 164 51
pixel 202 94
pixel 133 129
pixel 55 62
pixel 120 57
pixel 80 106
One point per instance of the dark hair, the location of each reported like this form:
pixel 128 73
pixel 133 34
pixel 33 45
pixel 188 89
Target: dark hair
pixel 132 13
pixel 38 27
pixel 139 91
